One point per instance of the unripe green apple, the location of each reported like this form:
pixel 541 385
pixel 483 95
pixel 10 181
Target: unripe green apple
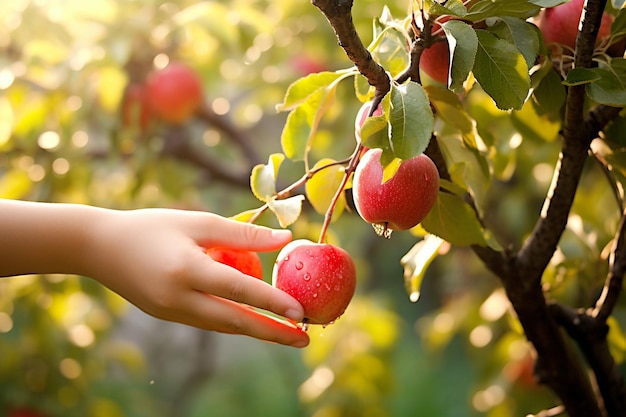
pixel 320 276
pixel 559 24
pixel 244 261
pixel 403 201
pixel 174 93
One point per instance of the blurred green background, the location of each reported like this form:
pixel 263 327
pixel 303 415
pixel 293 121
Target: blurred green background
pixel 69 347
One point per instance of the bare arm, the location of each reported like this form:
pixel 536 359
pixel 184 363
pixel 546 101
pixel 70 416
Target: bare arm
pixel 155 259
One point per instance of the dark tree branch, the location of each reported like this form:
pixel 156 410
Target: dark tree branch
pixel 613 286
pixel 339 15
pixel 590 334
pixel 558 366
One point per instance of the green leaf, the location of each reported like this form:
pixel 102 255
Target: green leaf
pixel 411 120
pixel 288 210
pixel 301 90
pixel 296 134
pixel 549 95
pixel 580 76
pixel 308 99
pixel 416 262
pixel 523 35
pixel 616 340
pixel 548 3
pixel 263 177
pixel 484 9
pixel 322 187
pixel 463 44
pixel 610 88
pixel 501 71
pixel 453 220
pixel 452 112
pixel 245 216
pixel 451 7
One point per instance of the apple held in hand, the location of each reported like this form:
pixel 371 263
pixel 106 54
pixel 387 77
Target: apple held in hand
pixel 400 203
pixel 320 276
pixel 174 93
pixel 244 261
pixel 560 24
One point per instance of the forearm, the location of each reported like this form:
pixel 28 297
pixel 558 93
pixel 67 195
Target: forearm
pixel 45 237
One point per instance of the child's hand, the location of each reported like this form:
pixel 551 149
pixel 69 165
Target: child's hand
pixel 155 258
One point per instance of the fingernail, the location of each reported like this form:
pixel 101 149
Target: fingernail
pixel 300 343
pixel 295 315
pixel 281 234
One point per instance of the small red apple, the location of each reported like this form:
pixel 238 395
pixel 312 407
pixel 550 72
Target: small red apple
pixel 304 65
pixel 435 61
pixel 24 412
pixel 174 93
pixel 559 24
pixel 400 203
pixel 135 107
pixel 320 276
pixel 244 261
pixel 362 116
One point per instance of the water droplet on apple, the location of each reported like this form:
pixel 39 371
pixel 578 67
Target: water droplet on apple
pixel 299 265
pixel 315 295
pixel 307 276
pixel 415 295
pixel 305 326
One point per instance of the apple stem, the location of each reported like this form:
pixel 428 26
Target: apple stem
pixel 352 163
pixel 354 160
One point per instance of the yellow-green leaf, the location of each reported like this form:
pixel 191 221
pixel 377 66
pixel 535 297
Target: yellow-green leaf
pixel 288 210
pixel 322 186
pixel 263 178
pixel 416 261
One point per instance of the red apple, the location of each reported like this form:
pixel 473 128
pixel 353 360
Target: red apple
pixel 400 203
pixel 304 65
pixel 244 261
pixel 320 276
pixel 135 107
pixel 174 93
pixel 362 116
pixel 435 61
pixel 24 412
pixel 559 24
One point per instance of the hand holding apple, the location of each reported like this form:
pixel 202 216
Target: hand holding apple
pixel 320 276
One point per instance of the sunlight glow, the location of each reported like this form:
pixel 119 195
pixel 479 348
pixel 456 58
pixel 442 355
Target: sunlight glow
pixel 480 336
pixel 317 383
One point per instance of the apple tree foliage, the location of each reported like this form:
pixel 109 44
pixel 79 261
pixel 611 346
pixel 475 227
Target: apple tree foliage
pixel 522 258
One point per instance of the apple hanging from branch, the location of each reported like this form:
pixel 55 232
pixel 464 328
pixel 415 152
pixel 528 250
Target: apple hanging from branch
pixel 174 93
pixel 400 203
